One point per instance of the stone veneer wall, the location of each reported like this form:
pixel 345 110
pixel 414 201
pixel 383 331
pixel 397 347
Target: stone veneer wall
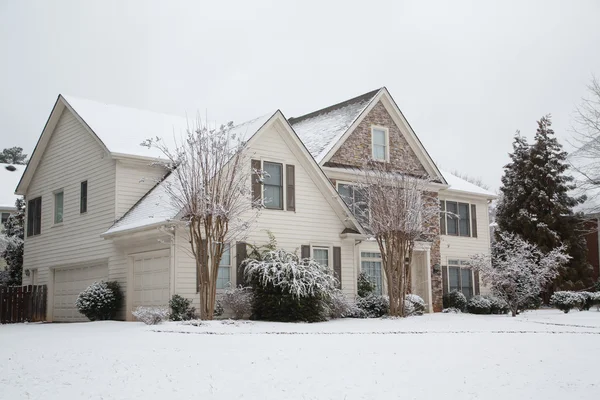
pixel 357 147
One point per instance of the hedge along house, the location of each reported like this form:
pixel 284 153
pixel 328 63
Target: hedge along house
pixel 96 212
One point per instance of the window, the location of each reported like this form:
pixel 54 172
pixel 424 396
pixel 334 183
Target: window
pixel 355 199
pixel 380 144
pixel 58 207
pixel 34 216
pixel 83 197
pixel 224 274
pixel 460 278
pixel 321 255
pixel 273 182
pixel 370 264
pixel 457 217
pixel 4 218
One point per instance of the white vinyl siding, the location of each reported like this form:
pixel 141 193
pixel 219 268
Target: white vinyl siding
pixel 133 181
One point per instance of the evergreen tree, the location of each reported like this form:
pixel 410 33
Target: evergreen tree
pixel 537 205
pixel 14 227
pixel 13 155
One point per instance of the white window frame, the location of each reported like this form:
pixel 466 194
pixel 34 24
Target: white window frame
pixel 283 180
pixel 373 259
pixel 228 266
pixel 387 142
pixel 54 204
pixel 323 247
pixel 446 216
pixel 462 264
pixel 351 207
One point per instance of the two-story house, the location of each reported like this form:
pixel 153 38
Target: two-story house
pixel 95 210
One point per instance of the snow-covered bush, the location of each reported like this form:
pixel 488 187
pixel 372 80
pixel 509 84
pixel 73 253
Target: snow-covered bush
pixel 479 305
pixel 414 305
pixel 455 299
pixel 372 306
pixel 151 315
pixel 451 310
pixel 340 306
pixel 100 300
pixel 181 308
pixel 287 288
pixel 238 300
pixel 565 301
pixel 364 284
pixel 219 310
pixel 497 306
pixel 587 300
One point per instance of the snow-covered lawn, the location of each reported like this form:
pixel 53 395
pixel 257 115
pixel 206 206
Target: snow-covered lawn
pixel 539 355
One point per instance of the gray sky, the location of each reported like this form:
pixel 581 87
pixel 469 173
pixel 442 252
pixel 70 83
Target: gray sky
pixel 465 74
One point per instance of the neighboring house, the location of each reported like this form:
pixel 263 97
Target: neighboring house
pixel 9 178
pixel 95 210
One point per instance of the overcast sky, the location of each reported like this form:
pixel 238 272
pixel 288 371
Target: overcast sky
pixel 466 75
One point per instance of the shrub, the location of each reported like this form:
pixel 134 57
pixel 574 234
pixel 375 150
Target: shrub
pixel 239 300
pixel 181 308
pixel 451 310
pixel 497 305
pixel 596 300
pixel 531 303
pixel 340 306
pixel 414 305
pixel 587 300
pixel 100 300
pixel 597 285
pixel 479 305
pixel 218 311
pixel 565 301
pixel 364 285
pixel 287 288
pixel 455 299
pixel 151 315
pixel 372 306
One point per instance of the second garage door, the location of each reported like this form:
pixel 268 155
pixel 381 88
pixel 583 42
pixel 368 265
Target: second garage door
pixel 68 283
pixel 151 279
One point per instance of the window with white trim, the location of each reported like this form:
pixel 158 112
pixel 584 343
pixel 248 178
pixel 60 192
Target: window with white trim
pixel 379 141
pixel 58 206
pixel 460 278
pixel 456 219
pixel 355 199
pixel 224 274
pixel 321 255
pixel 273 185
pixel 370 264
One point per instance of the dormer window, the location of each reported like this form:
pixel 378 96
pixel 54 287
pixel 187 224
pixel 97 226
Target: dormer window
pixel 380 143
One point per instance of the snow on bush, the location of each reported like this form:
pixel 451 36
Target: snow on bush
pixel 151 315
pixel 587 300
pixel 497 306
pixel 100 300
pixel 565 301
pixel 414 305
pixel 451 310
pixel 373 306
pixel 364 284
pixel 479 305
pixel 238 300
pixel 340 306
pixel 181 308
pixel 455 299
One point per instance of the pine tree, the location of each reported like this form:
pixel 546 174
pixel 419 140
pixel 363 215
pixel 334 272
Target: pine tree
pixel 15 227
pixel 537 205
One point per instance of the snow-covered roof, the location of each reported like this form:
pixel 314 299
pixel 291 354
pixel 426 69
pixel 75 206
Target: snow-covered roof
pixel 322 129
pixel 123 129
pixel 156 207
pixel 459 184
pixel 8 184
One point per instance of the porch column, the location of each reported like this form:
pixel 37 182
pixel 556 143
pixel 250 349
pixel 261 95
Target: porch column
pixel 429 288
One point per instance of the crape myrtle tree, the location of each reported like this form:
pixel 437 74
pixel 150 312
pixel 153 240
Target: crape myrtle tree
pixel 210 182
pixel 400 211
pixel 517 270
pixel 537 204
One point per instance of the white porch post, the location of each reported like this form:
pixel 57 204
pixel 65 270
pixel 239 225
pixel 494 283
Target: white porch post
pixel 429 288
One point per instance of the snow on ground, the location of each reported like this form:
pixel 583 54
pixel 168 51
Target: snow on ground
pixel 543 354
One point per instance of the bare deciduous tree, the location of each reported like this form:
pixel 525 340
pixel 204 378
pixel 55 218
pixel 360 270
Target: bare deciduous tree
pixel 517 271
pixel 400 212
pixel 210 183
pixel 477 181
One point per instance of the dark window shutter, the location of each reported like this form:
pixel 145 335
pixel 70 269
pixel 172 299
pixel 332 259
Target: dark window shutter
pixel 30 213
pixel 305 251
pixel 474 220
pixel 337 264
pixel 476 278
pixel 256 181
pixel 240 255
pixel 204 262
pixel 445 279
pixel 442 217
pixel 38 217
pixel 291 187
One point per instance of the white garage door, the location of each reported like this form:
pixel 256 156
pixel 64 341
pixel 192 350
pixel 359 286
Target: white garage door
pixel 151 279
pixel 68 283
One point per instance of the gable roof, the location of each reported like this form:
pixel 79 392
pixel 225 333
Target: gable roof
pixel 327 129
pixel 321 129
pixel 9 180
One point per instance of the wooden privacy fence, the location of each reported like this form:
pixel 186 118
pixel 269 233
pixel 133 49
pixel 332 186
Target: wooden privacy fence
pixel 23 303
